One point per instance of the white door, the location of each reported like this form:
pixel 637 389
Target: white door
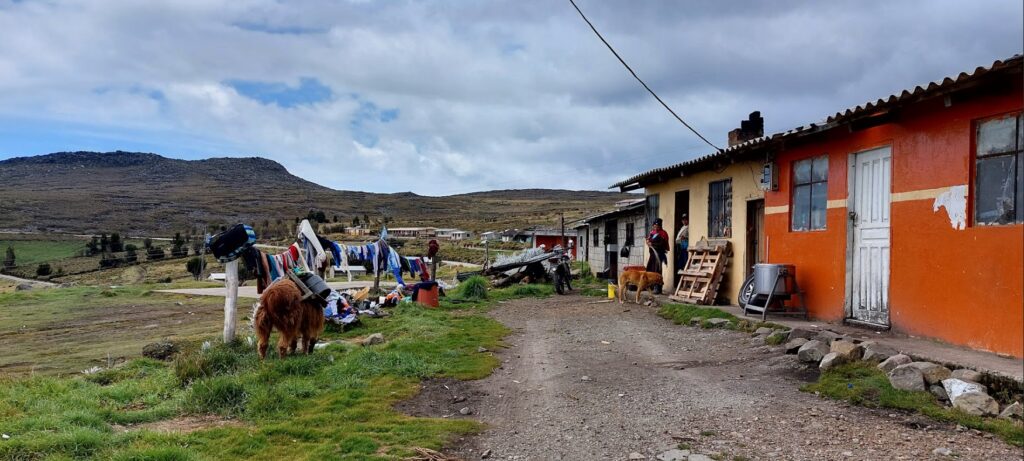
pixel 870 184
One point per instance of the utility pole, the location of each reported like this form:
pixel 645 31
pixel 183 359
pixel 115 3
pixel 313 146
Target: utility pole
pixel 562 215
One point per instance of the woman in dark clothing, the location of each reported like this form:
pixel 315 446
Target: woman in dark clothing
pixel 657 242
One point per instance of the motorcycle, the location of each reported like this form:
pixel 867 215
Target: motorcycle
pixel 561 271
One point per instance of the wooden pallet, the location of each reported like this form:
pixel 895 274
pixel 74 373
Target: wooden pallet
pixel 700 280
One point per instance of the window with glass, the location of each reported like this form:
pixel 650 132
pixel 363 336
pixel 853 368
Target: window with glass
pixel 720 209
pixel 810 194
pixel 999 171
pixel 597 237
pixel 629 234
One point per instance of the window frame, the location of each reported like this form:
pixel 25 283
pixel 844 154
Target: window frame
pixel 726 203
pixel 596 231
pixel 630 238
pixel 809 185
pixel 1017 153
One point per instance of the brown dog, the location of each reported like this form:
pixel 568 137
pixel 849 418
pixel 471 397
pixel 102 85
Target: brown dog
pixel 281 306
pixel 642 280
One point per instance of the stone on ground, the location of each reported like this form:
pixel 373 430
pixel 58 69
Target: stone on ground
pixel 954 387
pixel 939 392
pixel 717 323
pixel 1013 411
pixel 847 349
pixel 762 331
pixel 674 454
pixel 698 457
pixel 966 374
pixel 373 339
pixel 794 345
pixel 891 363
pixel 812 351
pixel 832 359
pixel 933 372
pixel 877 353
pixel 777 337
pixel 976 403
pixel 636 456
pixel 801 333
pixel 827 336
pixel 908 378
pixel 23 287
pixel 695 322
pixel 942 451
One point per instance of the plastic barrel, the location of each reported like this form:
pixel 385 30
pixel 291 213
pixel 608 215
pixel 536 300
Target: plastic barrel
pixel 427 296
pixel 316 284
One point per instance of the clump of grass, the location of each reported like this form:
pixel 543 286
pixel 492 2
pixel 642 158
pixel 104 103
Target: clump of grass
pixel 532 291
pixel 866 385
pixel 219 394
pixel 219 359
pixel 683 314
pixel 776 337
pixel 474 288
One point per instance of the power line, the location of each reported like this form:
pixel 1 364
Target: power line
pixel 637 77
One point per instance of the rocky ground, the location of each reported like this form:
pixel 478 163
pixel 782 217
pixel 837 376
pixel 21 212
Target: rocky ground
pixel 584 379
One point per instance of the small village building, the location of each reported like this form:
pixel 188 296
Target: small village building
pixel 412 232
pixel 452 234
pixel 610 241
pixel 549 238
pixel 721 196
pixel 904 213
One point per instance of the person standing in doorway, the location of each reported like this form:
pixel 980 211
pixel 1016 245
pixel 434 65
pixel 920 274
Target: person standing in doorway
pixel 683 243
pixel 657 242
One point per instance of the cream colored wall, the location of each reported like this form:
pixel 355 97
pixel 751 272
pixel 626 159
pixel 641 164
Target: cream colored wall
pixel 744 188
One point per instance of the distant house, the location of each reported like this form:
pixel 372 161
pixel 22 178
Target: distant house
pixel 412 232
pixel 549 238
pixel 453 234
pixel 490 236
pixel 905 213
pixel 602 238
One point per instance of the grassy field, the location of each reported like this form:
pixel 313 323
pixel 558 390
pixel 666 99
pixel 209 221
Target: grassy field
pixel 52 331
pixel 334 404
pixel 30 252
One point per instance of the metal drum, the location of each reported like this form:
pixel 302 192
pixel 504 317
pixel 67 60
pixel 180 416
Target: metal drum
pixel 767 274
pixel 316 284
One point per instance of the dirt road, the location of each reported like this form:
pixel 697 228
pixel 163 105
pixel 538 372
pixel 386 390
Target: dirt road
pixel 584 380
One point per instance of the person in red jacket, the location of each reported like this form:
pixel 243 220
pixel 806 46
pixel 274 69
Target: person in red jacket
pixel 658 243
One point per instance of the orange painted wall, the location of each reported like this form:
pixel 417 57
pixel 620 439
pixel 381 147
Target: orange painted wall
pixel 961 286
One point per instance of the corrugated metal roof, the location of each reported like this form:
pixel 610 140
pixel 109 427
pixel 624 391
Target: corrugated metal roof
pixel 906 96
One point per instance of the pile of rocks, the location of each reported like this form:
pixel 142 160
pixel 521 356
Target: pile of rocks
pixel 960 388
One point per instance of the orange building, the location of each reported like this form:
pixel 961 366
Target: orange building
pixel 907 212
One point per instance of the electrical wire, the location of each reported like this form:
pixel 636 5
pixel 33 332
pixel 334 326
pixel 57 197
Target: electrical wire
pixel 637 77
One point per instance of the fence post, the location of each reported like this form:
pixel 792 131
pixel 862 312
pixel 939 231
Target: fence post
pixel 230 300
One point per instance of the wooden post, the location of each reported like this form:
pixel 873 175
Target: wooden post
pixel 230 300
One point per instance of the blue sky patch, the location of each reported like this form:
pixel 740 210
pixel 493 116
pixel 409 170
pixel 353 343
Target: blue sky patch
pixel 369 114
pixel 278 30
pixel 309 91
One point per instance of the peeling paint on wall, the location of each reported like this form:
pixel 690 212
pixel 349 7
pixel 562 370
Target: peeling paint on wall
pixel 954 201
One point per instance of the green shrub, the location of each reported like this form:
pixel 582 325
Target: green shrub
pixel 217 360
pixel 532 291
pixel 219 394
pixel 473 288
pixel 43 270
pixel 155 454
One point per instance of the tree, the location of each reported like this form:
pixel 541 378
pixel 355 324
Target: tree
pixel 9 258
pixel 196 266
pixel 130 255
pixel 178 246
pixel 104 243
pixel 355 221
pixel 147 243
pixel 43 270
pixel 154 253
pixel 366 220
pixel 335 218
pixel 93 246
pixel 116 245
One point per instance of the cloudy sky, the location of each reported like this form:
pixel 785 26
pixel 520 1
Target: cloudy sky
pixel 445 97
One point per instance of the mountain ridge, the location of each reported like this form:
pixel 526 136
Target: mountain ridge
pixel 83 191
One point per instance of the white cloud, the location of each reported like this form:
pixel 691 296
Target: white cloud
pixel 488 95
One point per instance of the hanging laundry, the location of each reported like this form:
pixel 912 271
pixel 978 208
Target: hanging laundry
pixel 315 255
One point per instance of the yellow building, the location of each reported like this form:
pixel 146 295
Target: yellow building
pixel 722 196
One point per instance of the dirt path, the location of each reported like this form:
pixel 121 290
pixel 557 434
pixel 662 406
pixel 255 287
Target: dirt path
pixel 584 380
pixel 28 281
